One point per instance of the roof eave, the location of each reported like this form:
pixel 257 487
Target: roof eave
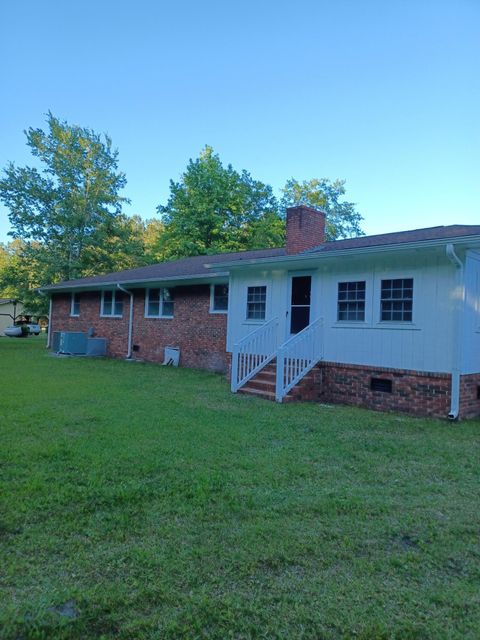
pixel 303 257
pixel 135 283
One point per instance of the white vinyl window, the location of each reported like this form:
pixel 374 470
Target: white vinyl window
pixel 75 305
pixel 396 301
pixel 112 304
pixel 159 303
pixel 256 303
pixel 351 301
pixel 219 298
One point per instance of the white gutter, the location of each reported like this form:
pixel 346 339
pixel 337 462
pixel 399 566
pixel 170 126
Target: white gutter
pixel 49 326
pixel 130 321
pixel 458 332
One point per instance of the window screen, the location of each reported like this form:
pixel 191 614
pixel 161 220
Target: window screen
pixel 397 300
pixel 159 303
pixel 351 301
pixel 75 310
pixel 256 303
pixel 220 297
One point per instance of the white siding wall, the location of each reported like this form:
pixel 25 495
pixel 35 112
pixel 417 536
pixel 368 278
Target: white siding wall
pixel 471 327
pixel 424 345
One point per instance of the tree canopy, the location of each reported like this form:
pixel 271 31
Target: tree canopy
pixel 67 210
pixel 213 209
pixel 67 219
pixel 342 219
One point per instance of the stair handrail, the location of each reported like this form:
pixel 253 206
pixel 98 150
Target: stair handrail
pixel 253 352
pixel 297 356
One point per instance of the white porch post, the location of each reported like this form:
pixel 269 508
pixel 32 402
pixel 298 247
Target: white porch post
pixel 280 374
pixel 234 371
pixel 49 325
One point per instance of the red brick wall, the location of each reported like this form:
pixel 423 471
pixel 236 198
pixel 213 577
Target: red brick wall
pixel 469 403
pixel 413 392
pixel 114 329
pixel 305 229
pixel 200 335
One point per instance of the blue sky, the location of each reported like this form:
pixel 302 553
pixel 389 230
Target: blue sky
pixel 385 94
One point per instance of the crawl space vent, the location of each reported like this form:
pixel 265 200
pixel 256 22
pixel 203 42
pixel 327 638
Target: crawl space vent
pixel 381 384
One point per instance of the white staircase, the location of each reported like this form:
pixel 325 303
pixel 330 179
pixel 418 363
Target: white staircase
pixel 253 352
pixel 261 368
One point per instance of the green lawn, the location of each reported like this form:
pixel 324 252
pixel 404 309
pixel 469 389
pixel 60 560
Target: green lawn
pixel 145 502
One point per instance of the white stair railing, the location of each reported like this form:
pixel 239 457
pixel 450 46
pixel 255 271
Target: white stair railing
pixel 297 356
pixel 253 352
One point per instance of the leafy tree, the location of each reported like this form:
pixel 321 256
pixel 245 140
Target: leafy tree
pixel 153 246
pixel 213 209
pixel 68 211
pixel 342 221
pixel 20 267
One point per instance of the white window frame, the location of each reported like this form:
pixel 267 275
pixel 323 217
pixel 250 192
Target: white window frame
pixel 161 314
pixel 351 281
pixel 392 323
pixel 256 320
pixel 212 297
pixel 114 293
pixel 72 304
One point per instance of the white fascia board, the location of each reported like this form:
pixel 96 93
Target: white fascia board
pixel 352 253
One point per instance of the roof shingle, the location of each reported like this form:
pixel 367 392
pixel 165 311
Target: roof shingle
pixel 186 267
pixel 195 267
pixel 400 237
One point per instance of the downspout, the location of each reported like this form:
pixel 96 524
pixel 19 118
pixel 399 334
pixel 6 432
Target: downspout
pixel 458 331
pixel 49 325
pixel 130 321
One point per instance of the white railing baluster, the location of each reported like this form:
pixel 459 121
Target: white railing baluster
pixel 253 352
pixel 297 356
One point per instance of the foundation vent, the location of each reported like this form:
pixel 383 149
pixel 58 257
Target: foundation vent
pixel 381 384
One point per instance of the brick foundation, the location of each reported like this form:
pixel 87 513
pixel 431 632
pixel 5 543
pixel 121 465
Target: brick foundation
pixel 413 392
pixel 200 334
pixel 469 401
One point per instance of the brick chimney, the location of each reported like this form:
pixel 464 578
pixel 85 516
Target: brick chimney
pixel 305 229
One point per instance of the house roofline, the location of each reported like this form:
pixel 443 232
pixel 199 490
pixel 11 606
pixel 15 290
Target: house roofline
pixel 354 251
pixel 137 283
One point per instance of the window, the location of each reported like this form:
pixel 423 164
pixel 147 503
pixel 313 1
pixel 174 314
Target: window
pixel 75 305
pixel 219 298
pixel 112 304
pixel 397 300
pixel 159 303
pixel 351 301
pixel 256 303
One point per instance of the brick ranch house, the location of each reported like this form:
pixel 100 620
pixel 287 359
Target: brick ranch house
pixel 388 322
